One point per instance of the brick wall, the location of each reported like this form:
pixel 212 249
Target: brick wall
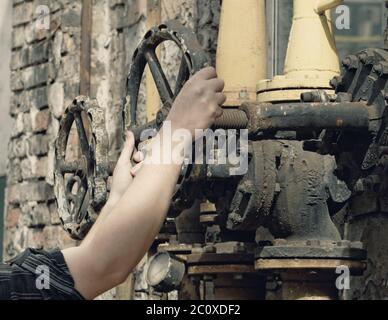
pixel 44 78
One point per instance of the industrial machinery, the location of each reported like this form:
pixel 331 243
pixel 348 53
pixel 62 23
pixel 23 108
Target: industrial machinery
pixel 317 137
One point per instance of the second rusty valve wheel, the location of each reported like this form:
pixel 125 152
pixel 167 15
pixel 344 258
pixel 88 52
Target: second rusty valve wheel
pixel 81 185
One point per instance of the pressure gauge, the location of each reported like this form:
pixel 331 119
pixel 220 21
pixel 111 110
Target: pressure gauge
pixel 165 273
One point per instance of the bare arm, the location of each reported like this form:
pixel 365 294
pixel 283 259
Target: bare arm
pixel 118 242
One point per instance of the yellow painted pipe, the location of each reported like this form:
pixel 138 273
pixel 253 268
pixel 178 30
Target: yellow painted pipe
pixel 312 58
pixel 311 51
pixel 242 49
pixel 323 5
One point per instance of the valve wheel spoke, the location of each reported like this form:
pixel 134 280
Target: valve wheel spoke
pixel 183 76
pixel 159 76
pixel 193 59
pixel 83 139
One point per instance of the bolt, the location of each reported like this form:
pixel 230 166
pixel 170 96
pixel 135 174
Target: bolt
pixel 357 245
pixel 350 62
pixel 210 249
pixel 307 97
pixel 366 57
pixel 240 247
pixel 343 243
pixel 381 68
pixel 359 187
pixel 335 82
pixel 243 95
pixel 313 242
pixel 280 242
pixel 362 57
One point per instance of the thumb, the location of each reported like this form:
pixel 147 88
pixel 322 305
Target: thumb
pixel 128 148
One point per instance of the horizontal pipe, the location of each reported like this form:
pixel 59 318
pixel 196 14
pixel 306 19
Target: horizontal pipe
pixel 294 116
pixel 297 116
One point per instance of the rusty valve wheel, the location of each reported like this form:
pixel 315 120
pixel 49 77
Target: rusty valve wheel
pixel 81 185
pixel 194 59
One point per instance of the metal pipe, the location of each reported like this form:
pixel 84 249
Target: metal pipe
pixel 297 116
pixel 293 116
pixel 242 49
pixel 324 5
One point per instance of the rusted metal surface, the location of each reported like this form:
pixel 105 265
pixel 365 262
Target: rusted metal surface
pixel 231 287
pixel 300 284
pixel 252 201
pixel 220 269
pixel 313 250
pixel 302 116
pixel 79 208
pixel 217 258
pixel 307 264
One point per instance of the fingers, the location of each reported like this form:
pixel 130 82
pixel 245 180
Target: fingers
pixel 216 84
pixel 220 98
pixel 206 73
pixel 128 148
pixel 138 157
pixel 219 112
pixel 135 170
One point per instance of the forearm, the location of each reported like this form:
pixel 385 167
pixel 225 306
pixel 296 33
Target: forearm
pixel 130 229
pixel 108 208
pixel 122 236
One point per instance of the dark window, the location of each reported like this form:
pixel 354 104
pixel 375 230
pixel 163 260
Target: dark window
pixel 366 30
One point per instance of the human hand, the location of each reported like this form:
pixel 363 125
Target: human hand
pixel 125 172
pixel 199 103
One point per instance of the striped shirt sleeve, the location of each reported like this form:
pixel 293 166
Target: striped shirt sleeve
pixel 37 275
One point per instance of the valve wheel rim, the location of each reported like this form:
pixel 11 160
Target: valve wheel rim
pixel 78 211
pixel 194 59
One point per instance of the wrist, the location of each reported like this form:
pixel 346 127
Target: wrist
pixel 112 201
pixel 175 141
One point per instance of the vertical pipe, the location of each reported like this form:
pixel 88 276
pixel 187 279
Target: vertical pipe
pixel 311 50
pixel 242 49
pixel 324 5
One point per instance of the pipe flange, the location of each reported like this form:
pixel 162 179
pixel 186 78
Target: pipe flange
pixel 312 249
